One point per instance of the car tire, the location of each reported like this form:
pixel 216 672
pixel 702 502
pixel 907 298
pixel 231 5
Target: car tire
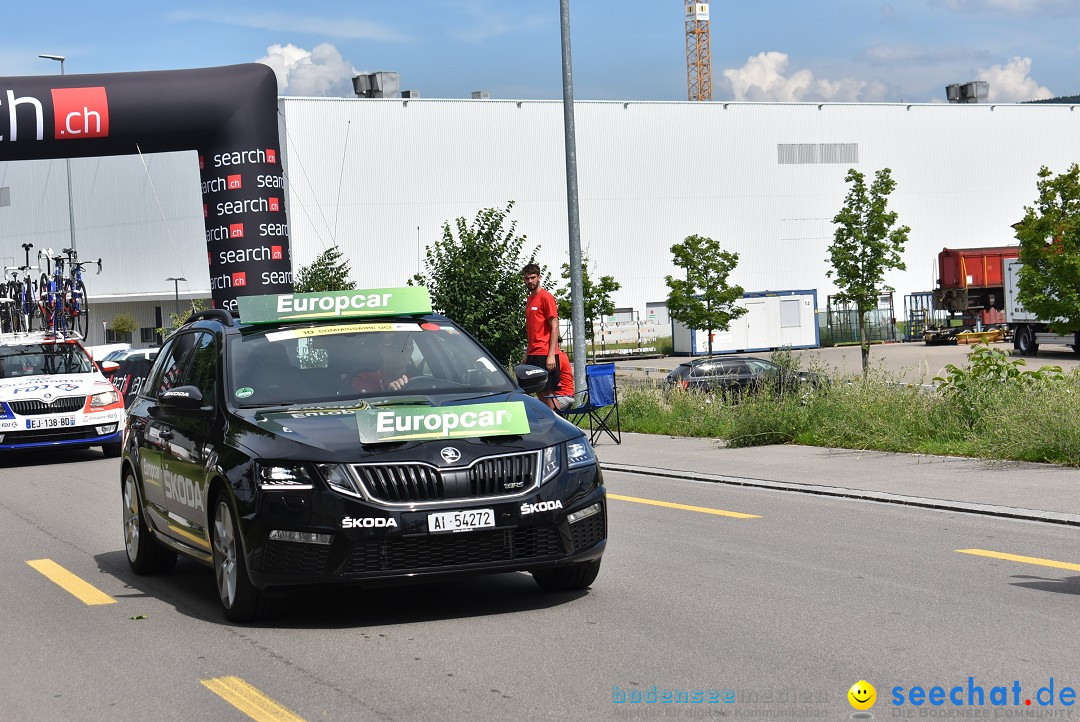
pixel 144 553
pixel 240 599
pixel 568 578
pixel 112 451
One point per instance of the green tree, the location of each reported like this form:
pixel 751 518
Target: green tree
pixel 704 299
pixel 123 324
pixel 596 295
pixel 867 243
pixel 328 272
pixel 1049 236
pixel 176 320
pixel 473 274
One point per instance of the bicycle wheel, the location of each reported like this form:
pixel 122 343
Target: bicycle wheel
pixel 28 306
pixel 47 304
pixel 79 310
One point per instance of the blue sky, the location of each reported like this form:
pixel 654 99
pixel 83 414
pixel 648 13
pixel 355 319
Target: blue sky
pixel 781 50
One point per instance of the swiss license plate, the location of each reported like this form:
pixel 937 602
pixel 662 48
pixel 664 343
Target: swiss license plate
pixel 460 520
pixel 53 423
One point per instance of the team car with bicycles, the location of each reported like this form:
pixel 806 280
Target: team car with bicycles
pixel 351 438
pixel 52 395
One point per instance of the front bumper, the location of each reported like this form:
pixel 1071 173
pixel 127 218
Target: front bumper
pixel 523 539
pixel 69 436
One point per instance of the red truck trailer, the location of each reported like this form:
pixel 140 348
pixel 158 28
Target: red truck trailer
pixel 971 282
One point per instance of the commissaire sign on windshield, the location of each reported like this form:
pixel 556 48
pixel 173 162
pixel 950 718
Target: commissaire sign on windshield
pixel 334 304
pixel 410 423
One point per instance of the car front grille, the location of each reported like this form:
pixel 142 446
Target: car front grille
pixel 451 550
pixel 33 407
pixel 493 476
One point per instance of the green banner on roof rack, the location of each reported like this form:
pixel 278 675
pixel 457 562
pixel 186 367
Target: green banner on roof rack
pixel 409 300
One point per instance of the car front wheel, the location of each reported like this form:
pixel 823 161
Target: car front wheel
pixel 569 578
pixel 145 555
pixel 241 601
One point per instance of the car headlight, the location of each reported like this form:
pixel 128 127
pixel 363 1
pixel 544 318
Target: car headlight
pixel 104 399
pixel 338 478
pixel 283 477
pixel 552 462
pixel 579 453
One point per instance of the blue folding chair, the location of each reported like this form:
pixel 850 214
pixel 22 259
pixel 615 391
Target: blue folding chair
pixel 601 401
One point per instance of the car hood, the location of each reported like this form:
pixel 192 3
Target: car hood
pixel 51 387
pixel 329 432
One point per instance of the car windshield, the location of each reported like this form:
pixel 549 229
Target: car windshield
pixel 317 363
pixel 36 359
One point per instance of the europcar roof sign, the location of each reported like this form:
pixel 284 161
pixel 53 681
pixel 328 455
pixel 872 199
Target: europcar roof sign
pixel 408 300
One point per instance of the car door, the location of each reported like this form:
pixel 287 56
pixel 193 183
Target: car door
pixel 154 429
pixel 183 460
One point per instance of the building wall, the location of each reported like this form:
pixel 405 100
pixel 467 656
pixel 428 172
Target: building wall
pixel 380 177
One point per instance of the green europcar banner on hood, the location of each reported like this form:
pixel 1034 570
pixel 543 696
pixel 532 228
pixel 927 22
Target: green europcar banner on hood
pixel 411 423
pixel 334 304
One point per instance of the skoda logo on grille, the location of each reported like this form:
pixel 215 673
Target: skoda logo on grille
pixel 450 455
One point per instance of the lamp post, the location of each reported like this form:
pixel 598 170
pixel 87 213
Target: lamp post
pixel 577 294
pixel 67 162
pixel 176 294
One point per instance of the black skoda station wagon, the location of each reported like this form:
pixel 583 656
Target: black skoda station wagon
pixel 349 438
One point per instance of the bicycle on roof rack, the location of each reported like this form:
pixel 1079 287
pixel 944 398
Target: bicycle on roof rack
pixel 22 310
pixel 51 292
pixel 77 304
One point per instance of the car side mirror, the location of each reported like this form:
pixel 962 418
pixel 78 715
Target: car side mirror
pixel 108 367
pixel 182 398
pixel 530 378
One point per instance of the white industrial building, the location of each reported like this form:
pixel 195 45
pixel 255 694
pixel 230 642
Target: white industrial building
pixel 379 177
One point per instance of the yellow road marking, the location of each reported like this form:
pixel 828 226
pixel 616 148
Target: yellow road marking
pixel 83 591
pixel 249 700
pixel 1025 560
pixel 684 507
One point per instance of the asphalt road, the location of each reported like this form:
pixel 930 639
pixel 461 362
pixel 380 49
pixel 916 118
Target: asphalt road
pixel 786 610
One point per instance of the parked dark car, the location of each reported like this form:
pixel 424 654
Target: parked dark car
pixel 739 375
pixel 351 438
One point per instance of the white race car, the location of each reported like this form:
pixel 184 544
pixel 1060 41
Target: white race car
pixel 52 394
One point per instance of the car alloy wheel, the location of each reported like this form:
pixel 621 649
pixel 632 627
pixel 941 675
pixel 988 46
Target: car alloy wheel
pixel 241 601
pixel 144 553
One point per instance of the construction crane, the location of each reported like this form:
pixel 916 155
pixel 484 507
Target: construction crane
pixel 698 57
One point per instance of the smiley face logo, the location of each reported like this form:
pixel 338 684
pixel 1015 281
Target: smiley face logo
pixel 862 695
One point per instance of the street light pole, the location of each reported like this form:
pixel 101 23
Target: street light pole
pixel 577 303
pixel 67 163
pixel 176 294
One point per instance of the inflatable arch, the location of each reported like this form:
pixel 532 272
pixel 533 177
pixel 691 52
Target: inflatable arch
pixel 228 115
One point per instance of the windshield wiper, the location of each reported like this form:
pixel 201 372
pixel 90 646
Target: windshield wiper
pixel 414 401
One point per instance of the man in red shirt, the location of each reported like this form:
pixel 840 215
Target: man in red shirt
pixel 542 330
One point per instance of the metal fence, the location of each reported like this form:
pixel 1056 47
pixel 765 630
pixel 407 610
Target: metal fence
pixel 842 321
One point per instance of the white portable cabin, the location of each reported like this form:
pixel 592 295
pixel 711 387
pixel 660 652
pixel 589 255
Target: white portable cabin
pixel 773 319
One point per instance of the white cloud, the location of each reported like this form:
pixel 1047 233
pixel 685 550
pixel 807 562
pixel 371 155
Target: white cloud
pixel 1012 82
pixel 1018 7
pixel 764 77
pixel 320 71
